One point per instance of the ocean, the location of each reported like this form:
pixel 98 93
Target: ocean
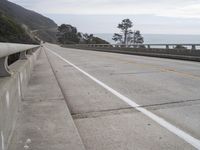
pixel 159 38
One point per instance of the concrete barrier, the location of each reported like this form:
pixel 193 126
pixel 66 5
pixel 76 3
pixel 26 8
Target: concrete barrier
pixel 12 89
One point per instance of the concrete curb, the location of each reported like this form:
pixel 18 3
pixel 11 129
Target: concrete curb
pixel 82 147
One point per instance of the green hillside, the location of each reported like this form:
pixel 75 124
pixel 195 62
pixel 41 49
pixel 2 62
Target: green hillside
pixel 41 26
pixel 10 31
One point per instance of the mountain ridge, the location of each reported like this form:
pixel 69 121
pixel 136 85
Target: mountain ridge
pixel 11 31
pixel 31 20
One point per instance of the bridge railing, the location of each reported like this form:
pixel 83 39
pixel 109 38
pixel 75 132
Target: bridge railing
pixel 174 51
pixel 7 49
pixel 147 46
pixel 13 84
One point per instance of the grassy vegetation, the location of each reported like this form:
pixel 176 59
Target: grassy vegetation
pixel 97 40
pixel 12 32
pixel 30 19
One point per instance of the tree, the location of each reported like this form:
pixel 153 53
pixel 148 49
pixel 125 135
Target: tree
pixel 128 36
pixel 137 38
pixel 91 39
pixel 88 38
pixel 68 34
pixel 97 40
pixel 125 27
pixel 117 37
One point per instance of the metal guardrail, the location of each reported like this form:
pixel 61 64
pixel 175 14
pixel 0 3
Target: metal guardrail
pixel 7 49
pixel 149 46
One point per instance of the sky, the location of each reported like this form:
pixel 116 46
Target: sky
pixel 102 16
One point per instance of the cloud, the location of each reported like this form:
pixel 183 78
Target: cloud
pixel 149 16
pixel 170 8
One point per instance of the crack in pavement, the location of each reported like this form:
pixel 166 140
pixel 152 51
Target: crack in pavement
pixel 128 110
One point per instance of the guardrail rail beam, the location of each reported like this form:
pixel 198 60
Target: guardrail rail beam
pixel 7 49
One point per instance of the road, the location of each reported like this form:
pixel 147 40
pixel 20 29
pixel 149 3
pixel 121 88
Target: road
pixel 126 102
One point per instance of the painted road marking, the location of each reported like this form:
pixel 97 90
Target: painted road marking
pixel 19 88
pixel 21 77
pixel 7 99
pixel 2 141
pixel 159 67
pixel 180 133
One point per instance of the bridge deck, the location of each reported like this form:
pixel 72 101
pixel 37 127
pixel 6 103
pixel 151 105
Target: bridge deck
pixel 98 88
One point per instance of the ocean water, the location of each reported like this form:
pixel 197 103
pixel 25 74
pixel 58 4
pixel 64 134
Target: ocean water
pixel 159 38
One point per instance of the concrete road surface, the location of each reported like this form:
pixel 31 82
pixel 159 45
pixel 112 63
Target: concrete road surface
pixel 127 102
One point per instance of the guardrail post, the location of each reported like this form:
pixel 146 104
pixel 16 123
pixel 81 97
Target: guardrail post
pixel 193 47
pixel 23 55
pixel 30 52
pixel 4 70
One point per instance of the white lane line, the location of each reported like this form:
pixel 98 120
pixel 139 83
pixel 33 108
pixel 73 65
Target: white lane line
pixel 2 141
pixel 7 99
pixel 180 133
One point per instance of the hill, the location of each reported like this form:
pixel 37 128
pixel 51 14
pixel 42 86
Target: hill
pixel 41 26
pixel 12 32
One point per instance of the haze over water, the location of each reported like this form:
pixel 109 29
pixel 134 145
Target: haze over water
pixel 160 38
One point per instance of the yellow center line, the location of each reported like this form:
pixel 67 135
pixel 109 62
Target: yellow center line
pixel 173 70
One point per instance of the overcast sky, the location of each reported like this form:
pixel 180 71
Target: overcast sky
pixel 102 16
